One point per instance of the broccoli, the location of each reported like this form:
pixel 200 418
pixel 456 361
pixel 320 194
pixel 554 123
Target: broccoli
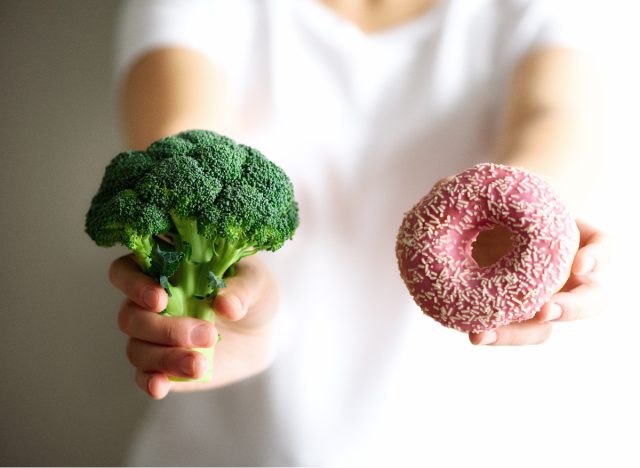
pixel 190 207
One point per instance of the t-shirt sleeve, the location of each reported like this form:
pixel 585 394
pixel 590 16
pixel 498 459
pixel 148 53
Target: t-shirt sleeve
pixel 564 23
pixel 146 25
pixel 527 26
pixel 548 23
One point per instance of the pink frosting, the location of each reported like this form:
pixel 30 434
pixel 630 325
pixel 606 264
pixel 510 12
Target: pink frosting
pixel 435 240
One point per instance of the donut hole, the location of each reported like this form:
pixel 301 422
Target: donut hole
pixel 491 245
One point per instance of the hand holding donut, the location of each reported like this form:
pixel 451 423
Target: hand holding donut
pixel 582 296
pixel 493 252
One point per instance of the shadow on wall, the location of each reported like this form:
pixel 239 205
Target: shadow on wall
pixel 67 396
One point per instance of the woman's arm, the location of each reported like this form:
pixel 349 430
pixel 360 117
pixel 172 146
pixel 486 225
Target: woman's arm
pixel 553 127
pixel 170 90
pixel 553 122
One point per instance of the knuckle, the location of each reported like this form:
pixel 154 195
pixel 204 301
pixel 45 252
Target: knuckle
pixel 172 333
pixel 112 272
pixel 130 351
pixel 137 291
pixel 570 311
pixel 165 361
pixel 124 317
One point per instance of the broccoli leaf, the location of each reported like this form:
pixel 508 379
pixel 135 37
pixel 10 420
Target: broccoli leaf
pixel 164 282
pixel 215 283
pixel 164 262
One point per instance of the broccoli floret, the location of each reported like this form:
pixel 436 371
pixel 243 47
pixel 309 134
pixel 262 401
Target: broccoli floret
pixel 190 207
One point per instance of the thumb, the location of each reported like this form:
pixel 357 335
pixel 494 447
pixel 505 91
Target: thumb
pixel 251 289
pixel 442 182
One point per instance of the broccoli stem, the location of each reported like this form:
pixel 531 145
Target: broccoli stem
pixel 141 248
pixel 201 248
pixel 186 300
pixel 226 254
pixel 190 291
pixel 183 303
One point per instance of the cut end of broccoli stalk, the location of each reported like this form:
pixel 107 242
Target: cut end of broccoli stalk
pixel 208 354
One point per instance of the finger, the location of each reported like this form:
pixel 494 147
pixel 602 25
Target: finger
pixel 581 302
pixel 185 332
pixel 243 290
pixel 442 181
pixel 590 258
pixel 125 275
pixel 514 334
pixel 155 384
pixel 228 304
pixel 593 252
pixel 168 360
pixel 548 312
pixel 590 234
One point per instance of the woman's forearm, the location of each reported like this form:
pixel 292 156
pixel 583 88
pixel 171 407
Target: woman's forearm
pixel 553 122
pixel 169 90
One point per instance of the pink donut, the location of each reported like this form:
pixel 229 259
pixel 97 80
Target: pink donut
pixel 435 241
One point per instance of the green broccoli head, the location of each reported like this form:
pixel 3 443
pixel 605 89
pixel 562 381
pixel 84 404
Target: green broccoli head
pixel 189 207
pixel 199 190
pixel 256 208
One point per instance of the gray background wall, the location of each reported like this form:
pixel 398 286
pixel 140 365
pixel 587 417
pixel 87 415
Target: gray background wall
pixel 66 393
pixel 66 390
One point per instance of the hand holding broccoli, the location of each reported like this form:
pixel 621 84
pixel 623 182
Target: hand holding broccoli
pixel 159 346
pixel 190 208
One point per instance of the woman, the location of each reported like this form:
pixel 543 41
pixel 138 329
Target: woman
pixel 366 105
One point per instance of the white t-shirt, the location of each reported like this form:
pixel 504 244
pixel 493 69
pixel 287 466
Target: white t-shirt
pixel 364 124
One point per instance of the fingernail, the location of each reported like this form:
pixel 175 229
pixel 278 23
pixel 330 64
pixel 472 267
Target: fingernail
pixel 588 264
pixel 201 335
pixel 234 301
pixel 150 298
pixel 488 338
pixel 554 311
pixel 187 365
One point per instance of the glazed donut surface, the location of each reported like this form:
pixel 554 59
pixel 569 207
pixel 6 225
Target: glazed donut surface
pixel 435 239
